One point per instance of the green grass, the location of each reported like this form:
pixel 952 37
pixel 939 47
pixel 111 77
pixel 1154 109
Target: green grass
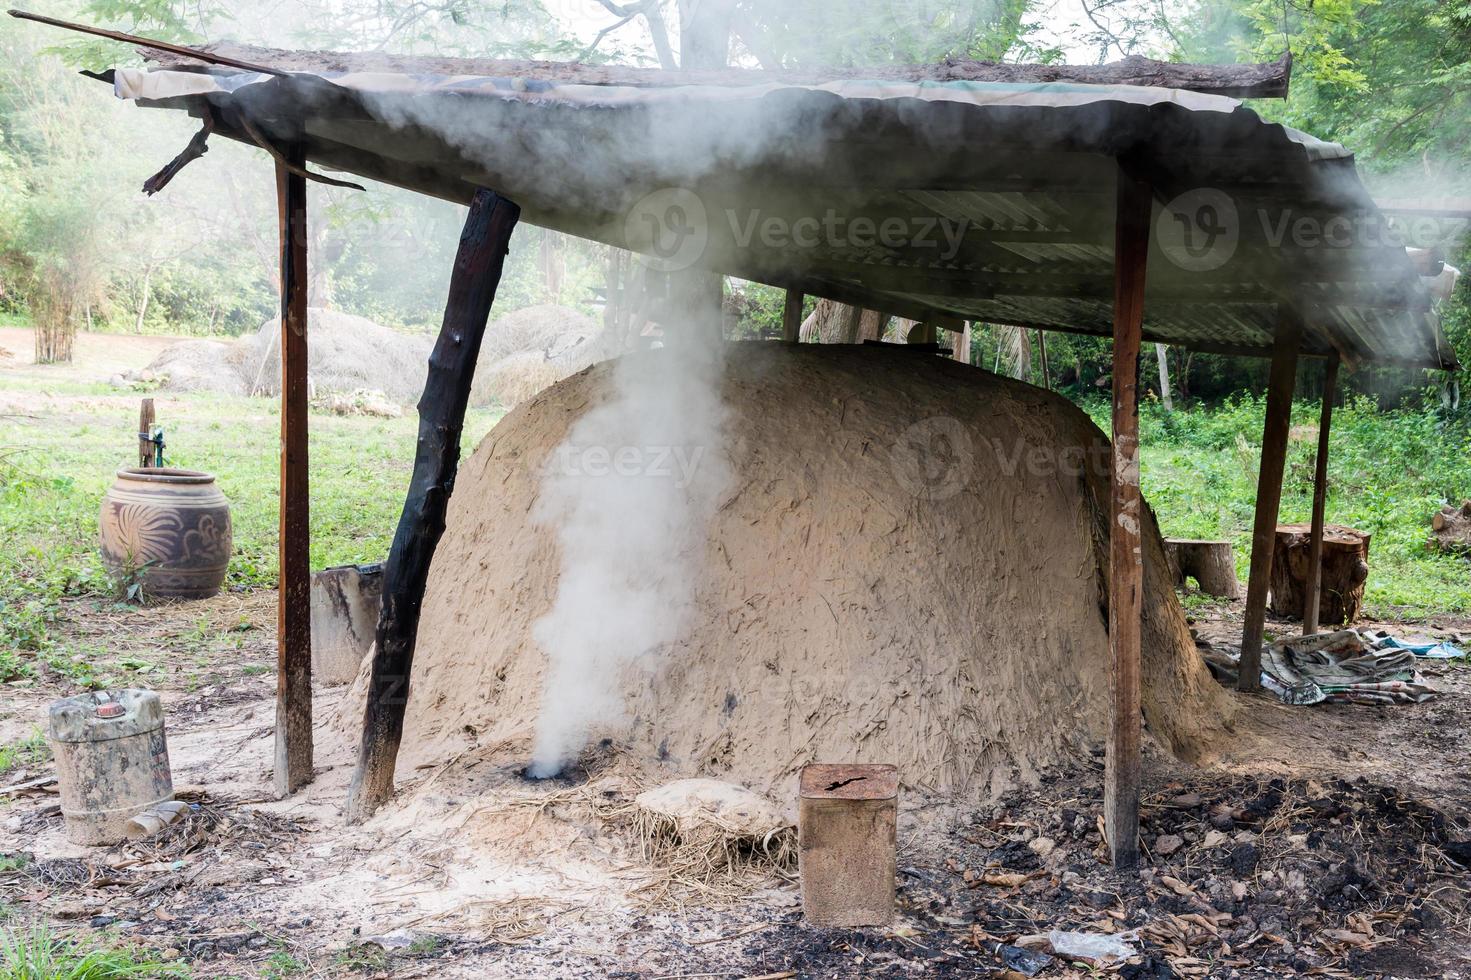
pixel 31 751
pixel 281 965
pixel 40 954
pixel 56 466
pixel 1388 471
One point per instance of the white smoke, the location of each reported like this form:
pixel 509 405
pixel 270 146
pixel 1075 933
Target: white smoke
pixel 630 493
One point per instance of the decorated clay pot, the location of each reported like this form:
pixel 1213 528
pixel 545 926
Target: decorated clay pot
pixel 168 530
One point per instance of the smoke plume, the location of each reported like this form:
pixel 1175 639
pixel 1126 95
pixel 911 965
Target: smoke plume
pixel 629 494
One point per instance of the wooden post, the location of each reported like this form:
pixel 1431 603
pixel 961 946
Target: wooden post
pixel 145 434
pixel 962 344
pixel 1314 584
pixel 1042 349
pixel 791 317
pixel 472 288
pixel 1126 562
pixel 1269 494
pixel 294 592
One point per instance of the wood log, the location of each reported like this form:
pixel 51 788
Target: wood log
pixel 346 601
pixel 1345 569
pixel 1211 563
pixel 1266 80
pixel 477 274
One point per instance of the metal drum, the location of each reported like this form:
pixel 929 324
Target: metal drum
pixel 111 761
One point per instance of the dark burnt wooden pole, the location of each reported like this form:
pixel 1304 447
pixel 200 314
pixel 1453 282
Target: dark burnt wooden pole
pixel 477 273
pixel 1126 567
pixel 791 317
pixel 1280 386
pixel 1314 584
pixel 293 609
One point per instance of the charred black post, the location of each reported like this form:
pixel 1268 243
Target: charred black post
pixel 477 274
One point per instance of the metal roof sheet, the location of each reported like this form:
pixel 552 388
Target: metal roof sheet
pixel 979 200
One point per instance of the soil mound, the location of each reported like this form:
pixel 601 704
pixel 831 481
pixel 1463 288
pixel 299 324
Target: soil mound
pixel 909 567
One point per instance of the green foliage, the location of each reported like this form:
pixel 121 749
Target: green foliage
pixel 1389 471
pixel 859 32
pixel 40 954
pixel 754 311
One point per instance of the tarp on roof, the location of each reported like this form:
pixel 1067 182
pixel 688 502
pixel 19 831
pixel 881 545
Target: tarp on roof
pixel 978 200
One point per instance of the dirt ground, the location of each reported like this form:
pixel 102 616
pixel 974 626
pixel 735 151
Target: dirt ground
pixel 1328 840
pixel 97 356
pixel 1324 842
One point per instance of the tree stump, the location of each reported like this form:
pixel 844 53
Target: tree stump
pixel 1345 570
pixel 1211 563
pixel 1452 527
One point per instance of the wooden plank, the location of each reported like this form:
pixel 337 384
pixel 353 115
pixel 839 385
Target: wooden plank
pixel 472 289
pixel 1280 385
pixel 1126 565
pixel 1314 582
pixel 293 602
pixel 791 316
pixel 145 433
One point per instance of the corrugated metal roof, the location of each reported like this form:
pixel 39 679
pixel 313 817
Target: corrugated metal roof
pixel 987 201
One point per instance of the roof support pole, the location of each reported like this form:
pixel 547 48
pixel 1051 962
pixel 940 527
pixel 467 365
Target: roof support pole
pixel 1126 564
pixel 791 317
pixel 1280 387
pixel 293 768
pixel 472 288
pixel 962 344
pixel 1314 583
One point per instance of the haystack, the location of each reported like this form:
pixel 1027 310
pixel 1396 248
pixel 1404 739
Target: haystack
pixel 849 606
pixel 345 353
pixel 524 352
pixel 531 349
pixel 209 366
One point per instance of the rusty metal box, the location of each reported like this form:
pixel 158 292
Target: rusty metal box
pixel 847 819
